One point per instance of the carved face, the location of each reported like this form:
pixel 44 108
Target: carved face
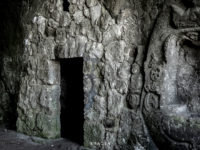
pixel 172 101
pixel 181 106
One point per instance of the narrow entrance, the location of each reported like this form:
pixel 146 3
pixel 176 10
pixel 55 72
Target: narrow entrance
pixel 72 117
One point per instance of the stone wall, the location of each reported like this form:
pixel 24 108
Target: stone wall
pixel 107 40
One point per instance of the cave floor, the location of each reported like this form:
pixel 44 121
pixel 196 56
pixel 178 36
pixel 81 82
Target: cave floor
pixel 11 140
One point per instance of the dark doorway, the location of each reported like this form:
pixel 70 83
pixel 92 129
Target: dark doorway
pixel 72 117
pixel 66 5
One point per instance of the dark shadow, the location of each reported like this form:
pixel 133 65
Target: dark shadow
pixel 72 99
pixel 11 42
pixel 188 3
pixel 66 5
pixel 11 114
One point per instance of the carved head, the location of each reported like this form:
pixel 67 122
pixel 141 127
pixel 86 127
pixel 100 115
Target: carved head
pixel 171 105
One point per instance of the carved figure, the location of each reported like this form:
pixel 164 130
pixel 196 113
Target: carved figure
pixel 171 106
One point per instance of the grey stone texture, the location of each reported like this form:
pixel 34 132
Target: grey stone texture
pixel 141 71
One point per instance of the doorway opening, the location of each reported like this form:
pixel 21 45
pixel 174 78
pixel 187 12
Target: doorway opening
pixel 66 5
pixel 72 99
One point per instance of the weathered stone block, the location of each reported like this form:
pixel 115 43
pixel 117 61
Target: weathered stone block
pixel 93 134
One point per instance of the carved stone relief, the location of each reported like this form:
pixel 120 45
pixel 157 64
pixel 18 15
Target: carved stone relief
pixel 171 91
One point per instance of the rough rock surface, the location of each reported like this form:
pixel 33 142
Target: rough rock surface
pixel 10 140
pixel 140 67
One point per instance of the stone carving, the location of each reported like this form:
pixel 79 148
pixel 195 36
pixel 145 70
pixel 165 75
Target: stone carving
pixel 134 95
pixel 151 102
pixel 186 17
pixel 171 97
pixel 133 101
pixel 155 73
